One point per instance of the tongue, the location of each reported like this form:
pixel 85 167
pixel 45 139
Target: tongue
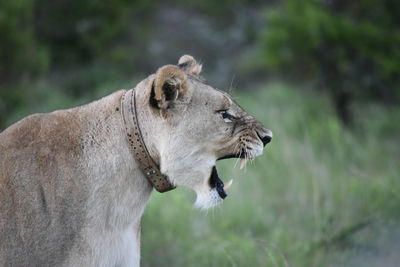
pixel 217 183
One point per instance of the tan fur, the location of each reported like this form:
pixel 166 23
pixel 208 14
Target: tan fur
pixel 190 65
pixel 71 192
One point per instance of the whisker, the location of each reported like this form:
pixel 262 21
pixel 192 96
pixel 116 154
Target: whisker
pixel 238 159
pixel 252 159
pixel 236 146
pixel 245 157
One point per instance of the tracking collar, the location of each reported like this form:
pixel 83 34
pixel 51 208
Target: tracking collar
pixel 149 168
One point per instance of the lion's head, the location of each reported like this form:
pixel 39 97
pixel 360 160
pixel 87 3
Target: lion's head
pixel 189 125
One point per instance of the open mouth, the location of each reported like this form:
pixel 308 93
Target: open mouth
pixel 216 182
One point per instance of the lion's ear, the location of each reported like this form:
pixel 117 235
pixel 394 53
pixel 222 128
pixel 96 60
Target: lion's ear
pixel 189 65
pixel 170 84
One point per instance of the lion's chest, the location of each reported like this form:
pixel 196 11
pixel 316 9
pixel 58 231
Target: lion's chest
pixel 120 248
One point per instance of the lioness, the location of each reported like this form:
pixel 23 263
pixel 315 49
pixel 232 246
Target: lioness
pixel 72 185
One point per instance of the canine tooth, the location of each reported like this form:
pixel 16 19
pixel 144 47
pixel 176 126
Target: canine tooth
pixel 243 163
pixel 228 184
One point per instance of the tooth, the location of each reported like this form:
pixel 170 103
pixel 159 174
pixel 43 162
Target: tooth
pixel 243 163
pixel 228 184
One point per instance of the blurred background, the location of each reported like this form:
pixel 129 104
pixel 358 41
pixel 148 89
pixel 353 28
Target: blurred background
pixel 323 75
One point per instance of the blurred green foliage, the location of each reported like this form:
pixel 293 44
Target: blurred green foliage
pixel 36 35
pixel 77 31
pixel 39 36
pixel 349 48
pixel 20 53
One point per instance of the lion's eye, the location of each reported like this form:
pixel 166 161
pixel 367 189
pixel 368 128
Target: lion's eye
pixel 225 115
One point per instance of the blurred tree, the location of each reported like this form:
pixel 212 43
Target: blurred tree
pixel 352 49
pixel 77 31
pixel 36 35
pixel 85 39
pixel 39 35
pixel 20 55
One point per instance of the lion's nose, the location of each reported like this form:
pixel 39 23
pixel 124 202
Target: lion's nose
pixel 266 137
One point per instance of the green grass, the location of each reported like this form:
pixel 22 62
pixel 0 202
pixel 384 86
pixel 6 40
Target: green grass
pixel 320 195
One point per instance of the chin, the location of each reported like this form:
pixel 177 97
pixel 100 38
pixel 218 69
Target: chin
pixel 207 199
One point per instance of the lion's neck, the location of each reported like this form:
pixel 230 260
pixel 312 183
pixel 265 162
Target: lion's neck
pixel 119 190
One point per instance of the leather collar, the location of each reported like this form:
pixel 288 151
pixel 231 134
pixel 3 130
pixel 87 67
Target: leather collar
pixel 149 168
